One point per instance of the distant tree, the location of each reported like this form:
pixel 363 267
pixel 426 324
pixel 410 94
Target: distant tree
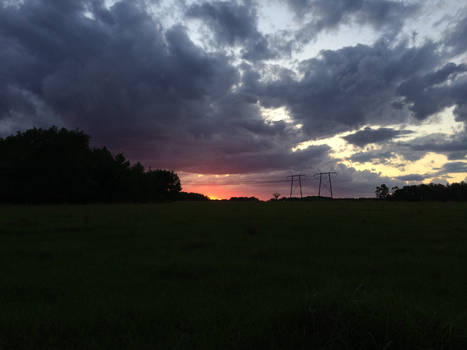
pixel 276 196
pixel 382 192
pixel 432 192
pixel 190 196
pixel 244 199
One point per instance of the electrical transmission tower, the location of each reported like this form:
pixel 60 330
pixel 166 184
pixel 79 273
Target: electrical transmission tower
pixel 330 183
pixel 292 178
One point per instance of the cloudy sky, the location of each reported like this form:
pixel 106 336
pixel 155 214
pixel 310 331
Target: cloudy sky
pixel 237 95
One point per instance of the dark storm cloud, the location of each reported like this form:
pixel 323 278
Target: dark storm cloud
pixel 348 181
pixel 387 154
pixel 136 87
pixel 453 146
pixel 268 160
pixel 231 22
pixel 386 15
pixel 414 177
pixel 430 93
pixel 363 85
pixel 348 88
pixel 455 39
pixel 379 156
pixel 368 135
pixel 234 24
pixel 453 167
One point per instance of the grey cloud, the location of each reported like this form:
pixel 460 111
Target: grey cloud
pixel 455 38
pixel 253 161
pixel 231 22
pixel 457 155
pixel 235 24
pixel 349 181
pixel 414 177
pixel 453 146
pixel 453 167
pixel 30 111
pixel 348 88
pixel 368 135
pixel 386 15
pixel 430 93
pixel 135 87
pixel 387 154
pixel 363 85
pixel 372 156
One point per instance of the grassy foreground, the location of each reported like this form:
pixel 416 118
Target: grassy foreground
pixel 318 275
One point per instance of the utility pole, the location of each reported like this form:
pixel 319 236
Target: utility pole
pixel 291 185
pixel 329 178
pixel 319 191
pixel 292 178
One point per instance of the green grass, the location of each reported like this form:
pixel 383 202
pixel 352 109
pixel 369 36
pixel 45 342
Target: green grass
pixel 217 275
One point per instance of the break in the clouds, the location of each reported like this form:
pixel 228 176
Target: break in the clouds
pixel 232 87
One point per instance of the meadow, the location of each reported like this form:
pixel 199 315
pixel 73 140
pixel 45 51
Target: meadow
pixel 222 275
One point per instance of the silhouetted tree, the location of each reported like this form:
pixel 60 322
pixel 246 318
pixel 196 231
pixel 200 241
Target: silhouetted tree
pixel 190 196
pixel 432 192
pixel 244 199
pixel 382 192
pixel 276 196
pixel 40 166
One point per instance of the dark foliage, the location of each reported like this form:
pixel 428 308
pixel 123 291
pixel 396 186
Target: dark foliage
pixel 382 192
pixel 244 199
pixel 58 166
pixel 430 192
pixel 191 196
pixel 276 196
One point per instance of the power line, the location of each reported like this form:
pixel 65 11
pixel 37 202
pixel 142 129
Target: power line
pixel 236 182
pixel 297 182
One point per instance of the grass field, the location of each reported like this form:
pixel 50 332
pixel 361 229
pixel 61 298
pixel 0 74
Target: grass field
pixel 220 275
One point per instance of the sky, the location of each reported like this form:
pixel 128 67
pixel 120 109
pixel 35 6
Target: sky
pixel 235 96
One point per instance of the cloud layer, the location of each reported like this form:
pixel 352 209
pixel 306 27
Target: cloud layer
pixel 150 90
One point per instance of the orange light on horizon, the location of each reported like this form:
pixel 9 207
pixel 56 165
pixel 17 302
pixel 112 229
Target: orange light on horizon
pixel 213 192
pixel 214 198
pixel 215 188
pixel 218 192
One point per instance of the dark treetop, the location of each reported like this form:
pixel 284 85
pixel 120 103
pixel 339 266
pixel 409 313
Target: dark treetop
pixel 424 192
pixel 57 166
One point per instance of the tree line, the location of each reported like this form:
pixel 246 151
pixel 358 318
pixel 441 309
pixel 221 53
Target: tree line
pixel 424 192
pixel 59 166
